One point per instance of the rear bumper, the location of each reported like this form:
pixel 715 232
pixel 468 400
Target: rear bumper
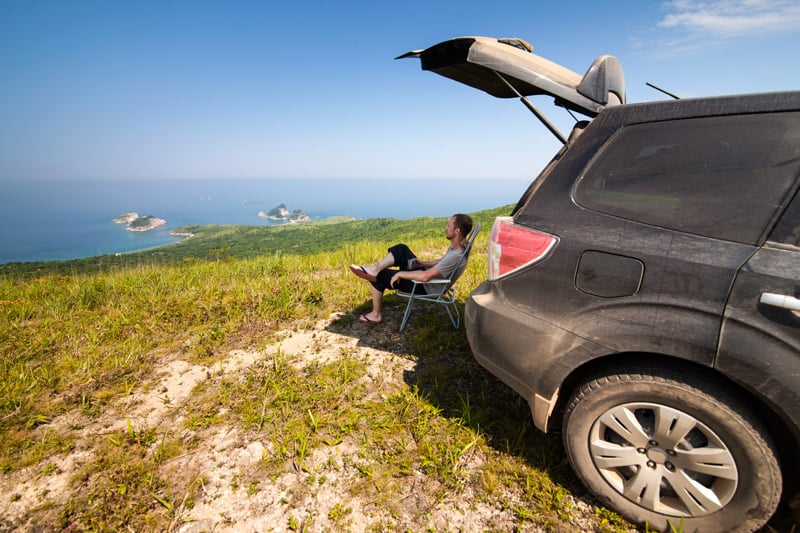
pixel 530 355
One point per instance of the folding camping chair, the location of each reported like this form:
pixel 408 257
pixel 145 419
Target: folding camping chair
pixel 447 296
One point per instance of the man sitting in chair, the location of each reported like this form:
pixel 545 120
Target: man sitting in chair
pixel 409 269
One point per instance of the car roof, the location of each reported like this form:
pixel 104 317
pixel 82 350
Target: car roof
pixel 736 104
pixel 507 67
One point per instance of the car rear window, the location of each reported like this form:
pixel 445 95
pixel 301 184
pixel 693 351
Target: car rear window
pixel 721 177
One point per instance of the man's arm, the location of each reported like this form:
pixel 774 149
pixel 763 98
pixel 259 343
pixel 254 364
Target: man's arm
pixel 431 268
pixel 414 275
pixel 427 264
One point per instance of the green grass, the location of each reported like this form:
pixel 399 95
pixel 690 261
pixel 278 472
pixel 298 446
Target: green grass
pixel 78 337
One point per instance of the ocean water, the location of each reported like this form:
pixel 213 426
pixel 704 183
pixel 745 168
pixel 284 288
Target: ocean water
pixel 58 220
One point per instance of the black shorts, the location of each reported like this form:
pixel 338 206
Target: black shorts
pixel 401 254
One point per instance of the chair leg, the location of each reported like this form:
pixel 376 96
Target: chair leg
pixel 455 320
pixel 454 314
pixel 407 313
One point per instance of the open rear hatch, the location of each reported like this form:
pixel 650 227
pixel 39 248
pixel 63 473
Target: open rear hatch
pixel 508 68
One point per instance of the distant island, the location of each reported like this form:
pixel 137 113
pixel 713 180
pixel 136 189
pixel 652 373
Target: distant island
pixel 281 214
pixel 136 223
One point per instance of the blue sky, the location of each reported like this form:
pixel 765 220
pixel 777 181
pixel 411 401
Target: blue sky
pixel 281 89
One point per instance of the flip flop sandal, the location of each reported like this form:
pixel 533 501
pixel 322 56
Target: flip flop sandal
pixel 362 273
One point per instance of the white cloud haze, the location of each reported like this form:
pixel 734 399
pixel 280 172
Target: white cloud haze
pixel 728 18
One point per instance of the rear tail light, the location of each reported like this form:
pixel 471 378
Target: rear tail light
pixel 512 247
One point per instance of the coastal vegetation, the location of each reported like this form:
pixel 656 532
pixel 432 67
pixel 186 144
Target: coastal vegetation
pixel 243 242
pixel 138 392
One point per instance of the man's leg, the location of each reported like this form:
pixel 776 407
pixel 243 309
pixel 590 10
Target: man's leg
pixel 377 305
pixel 397 256
pixel 386 262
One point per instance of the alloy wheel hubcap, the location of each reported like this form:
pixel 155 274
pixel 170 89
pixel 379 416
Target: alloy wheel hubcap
pixel 663 459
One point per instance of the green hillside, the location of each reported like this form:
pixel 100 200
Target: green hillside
pixel 132 386
pixel 215 242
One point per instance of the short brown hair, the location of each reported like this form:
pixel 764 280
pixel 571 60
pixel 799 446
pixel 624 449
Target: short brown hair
pixel 463 222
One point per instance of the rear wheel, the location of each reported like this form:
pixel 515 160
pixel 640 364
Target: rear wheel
pixel 665 449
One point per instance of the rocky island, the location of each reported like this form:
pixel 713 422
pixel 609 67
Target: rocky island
pixel 281 214
pixel 136 223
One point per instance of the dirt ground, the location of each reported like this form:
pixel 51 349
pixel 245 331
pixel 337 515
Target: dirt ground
pixel 227 461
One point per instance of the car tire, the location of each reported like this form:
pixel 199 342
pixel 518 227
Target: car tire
pixel 669 451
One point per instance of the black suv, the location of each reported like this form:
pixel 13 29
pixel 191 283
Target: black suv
pixel 643 294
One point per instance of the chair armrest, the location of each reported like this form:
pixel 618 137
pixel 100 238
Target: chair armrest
pixel 440 281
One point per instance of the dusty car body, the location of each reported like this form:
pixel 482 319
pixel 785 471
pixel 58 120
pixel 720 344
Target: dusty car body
pixel 643 294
